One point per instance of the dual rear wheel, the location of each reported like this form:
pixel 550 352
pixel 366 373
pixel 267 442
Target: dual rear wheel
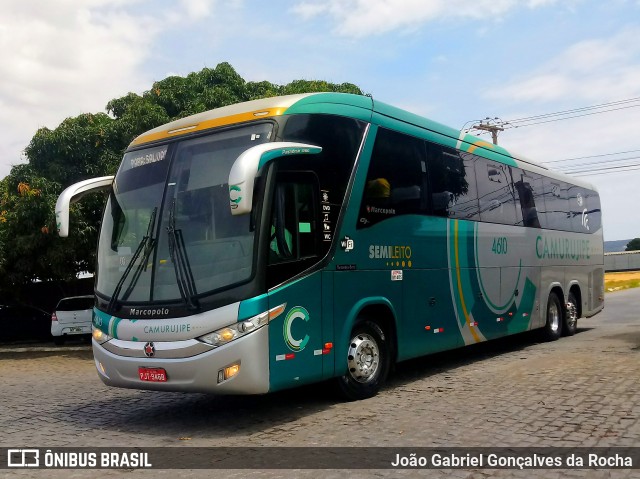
pixel 561 320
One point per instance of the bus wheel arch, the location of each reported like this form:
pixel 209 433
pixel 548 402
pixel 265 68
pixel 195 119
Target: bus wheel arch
pixel 370 353
pixel 573 311
pixel 555 313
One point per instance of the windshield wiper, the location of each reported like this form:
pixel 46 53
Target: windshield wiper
pixel 146 244
pixel 180 260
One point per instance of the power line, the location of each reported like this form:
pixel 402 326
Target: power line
pixel 494 125
pixel 604 172
pixel 606 168
pixel 574 110
pixel 595 163
pixel 570 117
pixel 591 156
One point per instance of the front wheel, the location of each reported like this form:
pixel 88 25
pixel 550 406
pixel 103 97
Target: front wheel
pixel 570 325
pixel 368 361
pixel 553 326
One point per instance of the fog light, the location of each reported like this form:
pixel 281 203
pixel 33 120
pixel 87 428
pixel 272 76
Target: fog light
pixel 231 371
pixel 228 372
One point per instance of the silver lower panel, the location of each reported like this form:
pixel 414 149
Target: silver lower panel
pixel 193 374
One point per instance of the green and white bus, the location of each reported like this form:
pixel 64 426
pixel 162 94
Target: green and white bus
pixel 289 240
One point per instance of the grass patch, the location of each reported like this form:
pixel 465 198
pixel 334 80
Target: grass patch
pixel 620 281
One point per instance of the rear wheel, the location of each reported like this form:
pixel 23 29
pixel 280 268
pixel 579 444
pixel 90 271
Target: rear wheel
pixel 368 360
pixel 571 316
pixel 58 340
pixel 553 326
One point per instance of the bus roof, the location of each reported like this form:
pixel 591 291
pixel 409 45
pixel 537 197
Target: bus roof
pixel 358 106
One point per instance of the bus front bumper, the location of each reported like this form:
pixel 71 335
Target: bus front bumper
pixel 120 364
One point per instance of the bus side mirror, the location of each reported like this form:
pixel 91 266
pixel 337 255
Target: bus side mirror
pixel 245 169
pixel 72 194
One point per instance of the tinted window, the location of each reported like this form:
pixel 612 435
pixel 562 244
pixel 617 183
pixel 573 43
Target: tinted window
pixel 453 183
pixel 294 222
pixel 296 226
pixel 496 195
pixel 576 203
pixel 556 204
pixel 529 189
pixel 395 182
pixel 594 218
pixel 340 139
pixel 75 304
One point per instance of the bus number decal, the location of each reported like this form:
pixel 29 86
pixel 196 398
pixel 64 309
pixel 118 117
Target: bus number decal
pixel 499 245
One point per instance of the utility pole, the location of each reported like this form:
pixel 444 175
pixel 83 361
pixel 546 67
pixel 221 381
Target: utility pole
pixel 493 129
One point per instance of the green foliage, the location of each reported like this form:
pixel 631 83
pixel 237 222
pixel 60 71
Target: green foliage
pixel 91 145
pixel 633 245
pixel 31 248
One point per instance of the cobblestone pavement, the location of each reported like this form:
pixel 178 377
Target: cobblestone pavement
pixel 578 391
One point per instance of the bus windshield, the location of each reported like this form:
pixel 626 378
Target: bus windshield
pixel 168 233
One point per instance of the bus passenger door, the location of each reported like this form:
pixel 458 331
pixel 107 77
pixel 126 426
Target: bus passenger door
pixel 295 335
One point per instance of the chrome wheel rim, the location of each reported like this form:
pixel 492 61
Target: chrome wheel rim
pixel 363 358
pixel 554 316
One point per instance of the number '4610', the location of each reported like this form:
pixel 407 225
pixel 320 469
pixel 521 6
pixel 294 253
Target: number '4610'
pixel 499 245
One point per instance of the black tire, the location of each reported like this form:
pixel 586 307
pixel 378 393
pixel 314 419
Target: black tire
pixel 570 325
pixel 555 314
pixel 58 340
pixel 368 360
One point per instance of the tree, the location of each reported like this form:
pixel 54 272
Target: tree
pixel 633 245
pixel 92 144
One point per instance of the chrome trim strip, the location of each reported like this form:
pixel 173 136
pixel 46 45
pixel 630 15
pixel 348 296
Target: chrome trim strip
pixel 163 349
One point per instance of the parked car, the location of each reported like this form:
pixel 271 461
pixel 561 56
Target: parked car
pixel 71 317
pixel 23 322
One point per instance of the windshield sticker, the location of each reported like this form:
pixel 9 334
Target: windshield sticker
pixel 297 312
pixel 146 159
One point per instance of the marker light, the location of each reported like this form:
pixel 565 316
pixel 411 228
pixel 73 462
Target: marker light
pixel 237 330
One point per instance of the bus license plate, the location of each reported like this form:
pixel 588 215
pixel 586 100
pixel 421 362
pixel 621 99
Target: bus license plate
pixel 155 375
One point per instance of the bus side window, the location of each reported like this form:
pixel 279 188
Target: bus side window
pixel 527 195
pixel 453 183
pixel 495 192
pixel 396 180
pixel 556 204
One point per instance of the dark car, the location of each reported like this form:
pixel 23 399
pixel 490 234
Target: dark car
pixel 24 322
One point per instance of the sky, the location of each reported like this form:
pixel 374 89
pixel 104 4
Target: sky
pixel 454 61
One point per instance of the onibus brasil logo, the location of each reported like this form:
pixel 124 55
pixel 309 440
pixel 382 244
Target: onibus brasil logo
pixel 297 312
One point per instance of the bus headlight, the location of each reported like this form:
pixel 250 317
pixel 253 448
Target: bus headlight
pixel 99 336
pixel 237 330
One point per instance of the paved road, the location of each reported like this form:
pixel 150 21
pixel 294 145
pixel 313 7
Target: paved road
pixel 578 391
